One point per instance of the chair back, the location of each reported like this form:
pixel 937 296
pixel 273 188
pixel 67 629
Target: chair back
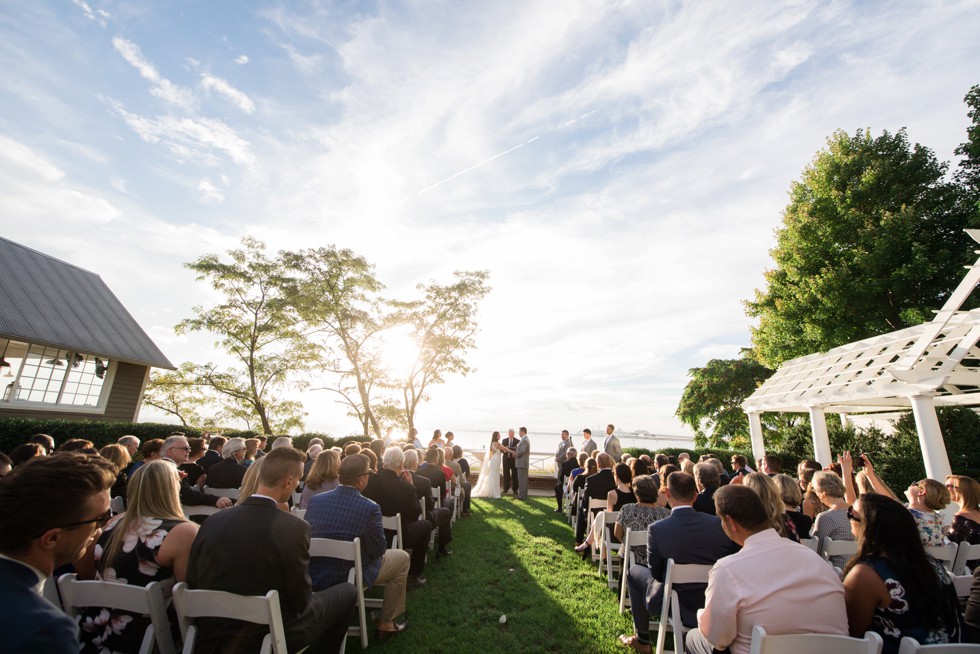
pixel 632 538
pixel 232 493
pixel 912 646
pixel 945 554
pixel 347 551
pixel 257 609
pixel 670 611
pixel 394 523
pixel 962 584
pixel 762 643
pixel 299 513
pixel 964 553
pixel 198 509
pixel 833 547
pixel 146 601
pixel 117 505
pixel 813 543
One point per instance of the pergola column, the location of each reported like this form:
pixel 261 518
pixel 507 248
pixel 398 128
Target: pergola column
pixel 755 433
pixel 821 441
pixel 930 436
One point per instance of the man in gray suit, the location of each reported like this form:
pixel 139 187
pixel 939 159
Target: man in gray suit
pixel 687 536
pixel 611 446
pixel 588 445
pixel 521 461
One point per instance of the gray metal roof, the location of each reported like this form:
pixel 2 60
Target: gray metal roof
pixel 47 301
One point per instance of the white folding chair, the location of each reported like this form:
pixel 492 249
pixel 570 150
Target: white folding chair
pixel 573 508
pixel 610 550
pixel 231 493
pixel 299 513
pixel 962 584
pixel 394 523
pixel 763 643
pixel 257 609
pixel 117 505
pixel 964 553
pixel 349 551
pixel 198 509
pixel 50 592
pixel 831 547
pixel 912 646
pixel 813 543
pixel 630 540
pixel 596 507
pixel 146 601
pixel 945 554
pixel 670 612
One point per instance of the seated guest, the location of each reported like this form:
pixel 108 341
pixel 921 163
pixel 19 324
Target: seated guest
pixel 578 483
pixel 73 490
pixel 260 451
pixel 191 467
pixel 151 450
pixel 250 485
pixel 396 496
pixel 597 487
pixel 687 536
pixel 773 582
pixel 372 458
pixel 772 500
pixel 926 498
pixel 708 479
pixel 229 472
pixel 175 450
pixel 440 518
pixel 891 586
pixel 351 448
pixel 641 515
pixel 82 445
pixel 45 441
pixel 771 465
pixel 564 477
pixel 433 471
pixel 971 617
pixel 792 497
pixel 618 497
pixel 323 477
pixel 5 465
pixel 459 479
pixel 151 541
pixel 345 514
pixel 25 452
pixel 965 527
pixel 312 452
pixel 282 441
pixel 213 455
pixel 251 447
pixel 131 443
pixel 219 562
pixel 119 457
pixel 581 460
pixel 666 471
pixel 833 522
pixel 467 486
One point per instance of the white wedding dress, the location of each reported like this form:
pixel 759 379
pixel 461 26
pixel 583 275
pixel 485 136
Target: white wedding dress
pixel 488 484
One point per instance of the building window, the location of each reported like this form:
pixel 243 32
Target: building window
pixel 39 374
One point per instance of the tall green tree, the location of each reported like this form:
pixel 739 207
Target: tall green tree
pixel 258 328
pixel 444 325
pixel 968 173
pixel 711 403
pixel 179 394
pixel 871 242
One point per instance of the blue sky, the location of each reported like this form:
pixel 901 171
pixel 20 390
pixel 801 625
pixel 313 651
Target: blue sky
pixel 619 167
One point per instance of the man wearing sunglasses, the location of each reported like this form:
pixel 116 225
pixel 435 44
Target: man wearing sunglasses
pixel 51 510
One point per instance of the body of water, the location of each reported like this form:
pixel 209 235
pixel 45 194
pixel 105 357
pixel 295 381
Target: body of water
pixel 475 441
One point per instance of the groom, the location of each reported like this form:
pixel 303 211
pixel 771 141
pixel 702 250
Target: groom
pixel 521 459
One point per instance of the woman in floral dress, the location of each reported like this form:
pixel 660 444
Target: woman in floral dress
pixel 151 541
pixel 926 498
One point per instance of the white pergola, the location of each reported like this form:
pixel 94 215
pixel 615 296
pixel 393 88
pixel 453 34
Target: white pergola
pixel 933 364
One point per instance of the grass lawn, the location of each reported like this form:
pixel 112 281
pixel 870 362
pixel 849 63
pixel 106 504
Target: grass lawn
pixel 511 558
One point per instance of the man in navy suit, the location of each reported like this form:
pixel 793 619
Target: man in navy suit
pixel 687 536
pixel 51 510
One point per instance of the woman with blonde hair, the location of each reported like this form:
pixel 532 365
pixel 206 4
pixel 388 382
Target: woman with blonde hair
pixel 772 499
pixel 250 484
pixel 665 472
pixel 323 477
pixel 251 447
pixel 965 527
pixel 151 541
pixel 792 496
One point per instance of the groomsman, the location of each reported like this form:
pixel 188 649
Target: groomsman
pixel 560 456
pixel 611 445
pixel 588 445
pixel 510 464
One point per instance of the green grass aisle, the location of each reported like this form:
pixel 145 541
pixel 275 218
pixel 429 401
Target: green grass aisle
pixel 511 558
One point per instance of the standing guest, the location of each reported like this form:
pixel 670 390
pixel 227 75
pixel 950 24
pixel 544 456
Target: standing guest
pixel 25 452
pixel 440 518
pixel 213 455
pixel 588 445
pixel 45 441
pixel 891 586
pixel 641 515
pixel 467 486
pixel 74 491
pixel 345 514
pixel 395 495
pixel 510 464
pixel 150 542
pixel 687 536
pixel 522 455
pixel 436 439
pixel 833 522
pixel 175 450
pixel 773 582
pixel 413 438
pixel 772 500
pixel 611 445
pixel 926 498
pixel 560 457
pixel 708 480
pixel 251 447
pixel 792 497
pixel 323 477
pixel 219 562
pixel 229 472
pixel 119 457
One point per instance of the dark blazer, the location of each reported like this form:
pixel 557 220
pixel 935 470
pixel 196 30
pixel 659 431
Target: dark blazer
pixel 394 495
pixel 705 501
pixel 210 458
pixel 227 473
pixel 597 486
pixel 423 490
pixel 276 555
pixel 566 468
pixel 687 536
pixel 190 496
pixel 435 476
pixel 28 622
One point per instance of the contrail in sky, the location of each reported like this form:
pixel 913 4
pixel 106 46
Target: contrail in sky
pixel 486 161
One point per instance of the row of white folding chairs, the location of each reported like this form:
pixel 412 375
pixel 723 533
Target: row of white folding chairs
pixel 952 555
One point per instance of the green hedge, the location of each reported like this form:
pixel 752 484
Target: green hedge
pixel 16 431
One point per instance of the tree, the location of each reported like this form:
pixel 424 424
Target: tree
pixel 258 328
pixel 711 403
pixel 178 394
pixel 871 242
pixel 336 294
pixel 968 175
pixel 444 328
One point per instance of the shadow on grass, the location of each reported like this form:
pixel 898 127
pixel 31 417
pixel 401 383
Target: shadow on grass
pixel 512 558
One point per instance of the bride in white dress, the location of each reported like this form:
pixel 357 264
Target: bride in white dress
pixel 488 485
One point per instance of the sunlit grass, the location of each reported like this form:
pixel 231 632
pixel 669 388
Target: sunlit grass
pixel 511 558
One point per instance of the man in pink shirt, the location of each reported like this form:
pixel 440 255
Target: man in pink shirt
pixel 783 586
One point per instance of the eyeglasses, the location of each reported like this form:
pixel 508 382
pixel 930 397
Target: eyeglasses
pixel 184 449
pixel 853 515
pixel 100 522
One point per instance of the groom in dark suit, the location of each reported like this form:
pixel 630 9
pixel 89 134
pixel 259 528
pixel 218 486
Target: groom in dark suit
pixel 687 536
pixel 510 464
pixel 255 547
pixel 51 509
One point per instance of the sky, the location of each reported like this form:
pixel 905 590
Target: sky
pixel 618 167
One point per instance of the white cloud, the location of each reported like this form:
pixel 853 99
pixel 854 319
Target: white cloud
pixel 20 160
pixel 240 99
pixel 241 60
pixel 162 87
pixel 210 194
pixel 99 15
